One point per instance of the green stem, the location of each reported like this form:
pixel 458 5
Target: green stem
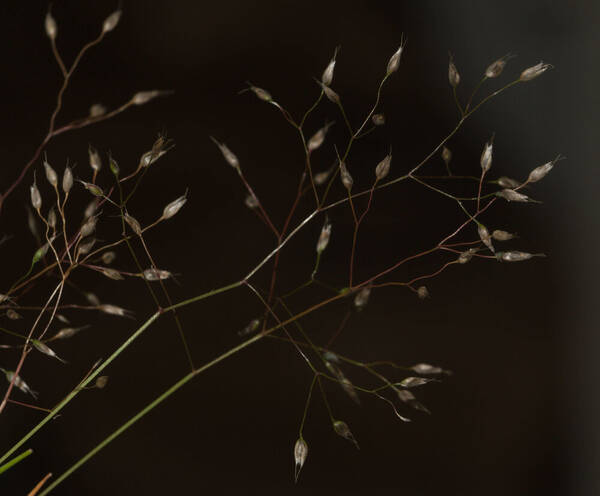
pixel 15 460
pixel 115 354
pixel 148 409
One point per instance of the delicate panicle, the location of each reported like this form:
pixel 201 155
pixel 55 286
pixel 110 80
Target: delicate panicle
pixel 324 236
pixel 111 21
pixel 362 297
pixel 300 454
pixel 43 348
pixel 50 26
pixel 383 167
pixel 453 75
pixel 534 71
pixel 175 206
pixel 394 61
pixel 318 138
pixel 228 155
pixel 345 176
pixel 342 429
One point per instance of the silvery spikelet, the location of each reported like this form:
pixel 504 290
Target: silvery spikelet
pixel 111 21
pixel 50 26
pixel 300 454
pixel 499 235
pixel 228 155
pixel 362 298
pixel 67 182
pixel 540 172
pixel 342 429
pixel 51 175
pixel 394 61
pixel 453 75
pixel 345 176
pixel 512 195
pixel 496 68
pixel 485 236
pixel 534 71
pixel 327 76
pixel 175 206
pixel 383 167
pixel 324 237
pixel 486 156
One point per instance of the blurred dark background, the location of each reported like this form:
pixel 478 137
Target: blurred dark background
pixel 519 416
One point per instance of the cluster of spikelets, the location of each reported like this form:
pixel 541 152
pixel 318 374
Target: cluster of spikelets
pixel 510 191
pixel 67 246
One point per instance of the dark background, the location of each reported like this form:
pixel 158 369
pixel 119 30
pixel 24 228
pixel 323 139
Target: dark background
pixel 519 416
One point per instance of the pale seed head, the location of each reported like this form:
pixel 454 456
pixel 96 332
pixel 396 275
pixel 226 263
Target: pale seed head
pixel 394 61
pixel 507 182
pixel 318 138
pixel 67 182
pixel 486 156
pixel 97 110
pixel 50 26
pixel 499 235
pixel 175 206
pixel 512 195
pixel 109 257
pixel 156 274
pixel 300 454
pixel 342 429
pixel 36 197
pixel 111 21
pixel 383 167
pixel 534 71
pixel 362 297
pixel 378 119
pixel 324 237
pixel 453 75
pixel 228 155
pixel 496 68
pixel 51 175
pixel 95 161
pixel 345 176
